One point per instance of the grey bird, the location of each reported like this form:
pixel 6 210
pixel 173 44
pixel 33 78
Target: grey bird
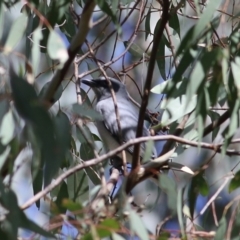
pixel 128 114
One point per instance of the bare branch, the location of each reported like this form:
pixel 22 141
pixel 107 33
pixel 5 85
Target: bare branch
pixel 156 41
pixel 112 153
pixel 77 41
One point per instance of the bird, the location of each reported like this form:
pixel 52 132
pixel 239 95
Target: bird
pixel 128 116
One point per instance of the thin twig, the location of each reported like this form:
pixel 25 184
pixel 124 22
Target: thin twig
pixel 216 123
pixel 106 39
pixel 216 194
pixel 231 221
pixel 214 213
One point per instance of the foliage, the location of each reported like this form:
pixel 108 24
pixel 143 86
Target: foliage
pixel 48 46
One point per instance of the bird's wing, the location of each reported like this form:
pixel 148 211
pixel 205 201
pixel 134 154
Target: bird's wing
pixel 128 121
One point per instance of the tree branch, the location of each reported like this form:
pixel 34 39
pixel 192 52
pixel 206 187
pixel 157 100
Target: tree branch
pixel 95 161
pixel 216 123
pixel 156 41
pixel 76 43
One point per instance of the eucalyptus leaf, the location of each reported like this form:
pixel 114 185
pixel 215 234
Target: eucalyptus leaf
pixel 37 37
pixel 85 111
pixel 137 225
pixel 161 51
pixel 222 228
pixel 29 107
pixel 16 33
pixel 62 194
pixel 57 94
pixel 135 50
pixel 235 182
pixel 177 108
pixel 147 23
pixel 169 187
pixel 56 48
pixel 78 188
pixel 7 128
pixel 116 236
pixel 174 23
pixel 16 218
pixel 103 5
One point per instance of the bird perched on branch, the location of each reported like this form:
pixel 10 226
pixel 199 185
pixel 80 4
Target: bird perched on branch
pixel 128 116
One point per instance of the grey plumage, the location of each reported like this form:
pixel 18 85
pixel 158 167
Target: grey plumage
pixel 128 113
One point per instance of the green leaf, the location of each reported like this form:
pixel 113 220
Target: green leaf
pixel 115 6
pixel 2 19
pixel 235 66
pixel 202 26
pixel 125 2
pixel 37 184
pixel 137 225
pixel 16 218
pixel 110 223
pixel 147 23
pixel 192 135
pixel 169 187
pixel 92 65
pixel 202 108
pixel 234 121
pixel 86 153
pixel 71 206
pixel 16 33
pixel 56 48
pixel 221 231
pixel 174 23
pixel 116 236
pixel 62 194
pixel 180 88
pixel 37 37
pixel 84 135
pixel 180 211
pixel 107 227
pixel 214 116
pixel 135 50
pixel 185 62
pixel 176 108
pixel 7 128
pixel 78 188
pixel 148 151
pixel 24 95
pixel 4 107
pixel 69 28
pixel 205 18
pixel 198 185
pixel 63 137
pixel 57 94
pixel 161 51
pixel 103 5
pixel 29 107
pixel 236 226
pixel 8 156
pixel 85 111
pixel 196 80
pixel 235 182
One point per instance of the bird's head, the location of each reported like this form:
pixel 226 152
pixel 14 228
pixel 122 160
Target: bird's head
pixel 102 89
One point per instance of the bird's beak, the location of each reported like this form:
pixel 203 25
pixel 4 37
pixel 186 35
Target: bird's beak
pixel 89 82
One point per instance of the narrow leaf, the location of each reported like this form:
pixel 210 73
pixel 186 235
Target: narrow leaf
pixel 16 33
pixel 137 225
pixel 56 48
